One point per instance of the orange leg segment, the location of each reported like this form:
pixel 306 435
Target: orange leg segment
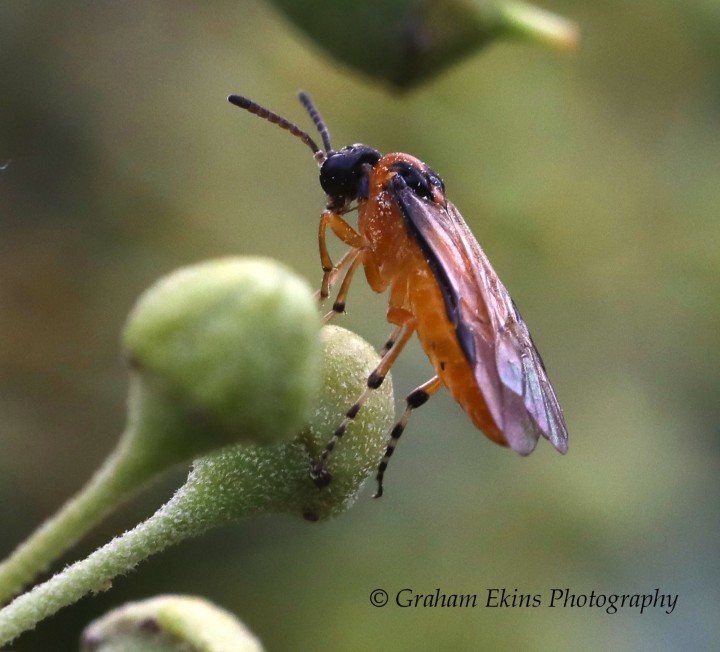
pixel 343 231
pixel 347 258
pixel 339 304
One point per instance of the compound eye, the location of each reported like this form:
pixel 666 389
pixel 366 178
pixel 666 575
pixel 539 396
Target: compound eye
pixel 342 173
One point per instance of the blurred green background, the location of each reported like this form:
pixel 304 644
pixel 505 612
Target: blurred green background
pixel 591 180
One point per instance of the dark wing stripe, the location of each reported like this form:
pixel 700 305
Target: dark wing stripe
pixel 423 217
pixel 405 197
pixel 494 338
pixel 407 200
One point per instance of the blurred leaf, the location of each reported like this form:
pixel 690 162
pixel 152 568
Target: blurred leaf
pixel 407 42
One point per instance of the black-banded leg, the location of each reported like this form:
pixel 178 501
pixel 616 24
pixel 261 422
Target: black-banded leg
pixel 397 342
pixel 415 399
pixel 391 341
pixel 330 278
pixel 339 303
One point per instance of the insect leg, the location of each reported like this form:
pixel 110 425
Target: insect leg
pixel 415 399
pixel 343 231
pixel 391 341
pixel 319 473
pixel 339 304
pixel 340 266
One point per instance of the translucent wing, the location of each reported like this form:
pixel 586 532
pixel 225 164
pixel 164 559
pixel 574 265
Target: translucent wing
pixel 507 367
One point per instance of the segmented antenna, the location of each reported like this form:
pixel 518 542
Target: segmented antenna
pixel 317 119
pixel 262 112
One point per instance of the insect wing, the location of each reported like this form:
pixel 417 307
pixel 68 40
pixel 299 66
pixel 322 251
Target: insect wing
pixel 507 367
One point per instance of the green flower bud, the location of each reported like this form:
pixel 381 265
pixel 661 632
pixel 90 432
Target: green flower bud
pixel 280 480
pixel 169 623
pixel 241 481
pixel 231 348
pixel 222 352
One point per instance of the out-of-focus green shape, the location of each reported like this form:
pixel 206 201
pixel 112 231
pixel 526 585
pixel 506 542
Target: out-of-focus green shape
pixel 406 42
pixel 169 623
pixel 222 352
pixel 240 481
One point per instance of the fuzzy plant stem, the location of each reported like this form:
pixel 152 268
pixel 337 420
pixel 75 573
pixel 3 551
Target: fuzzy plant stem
pixel 95 573
pixel 195 342
pixel 240 481
pixel 114 481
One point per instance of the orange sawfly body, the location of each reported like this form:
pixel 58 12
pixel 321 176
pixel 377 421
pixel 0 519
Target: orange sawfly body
pixel 413 243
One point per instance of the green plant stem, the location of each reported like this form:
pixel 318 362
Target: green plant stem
pixel 136 459
pixel 236 482
pixel 169 525
pixel 187 344
pixel 530 23
pixel 113 482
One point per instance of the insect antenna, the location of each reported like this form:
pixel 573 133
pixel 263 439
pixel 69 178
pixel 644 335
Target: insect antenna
pixel 266 114
pixel 317 119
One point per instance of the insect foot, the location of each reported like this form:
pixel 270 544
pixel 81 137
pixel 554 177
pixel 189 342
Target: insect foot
pixel 320 475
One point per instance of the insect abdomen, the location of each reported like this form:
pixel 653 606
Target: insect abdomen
pixel 439 341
